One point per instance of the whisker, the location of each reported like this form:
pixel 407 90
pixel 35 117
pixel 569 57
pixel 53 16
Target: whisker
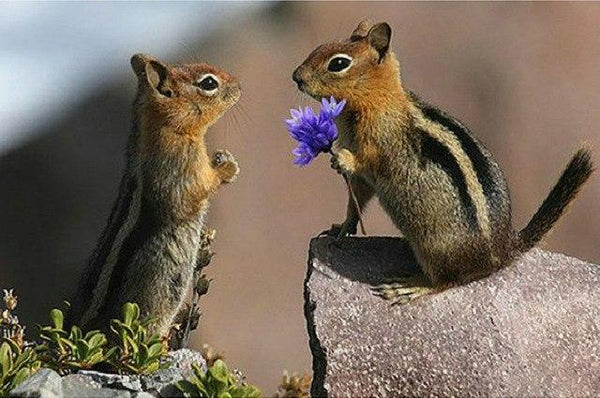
pixel 241 111
pixel 236 122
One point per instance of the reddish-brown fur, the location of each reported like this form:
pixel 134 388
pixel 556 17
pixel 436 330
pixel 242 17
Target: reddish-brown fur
pixel 168 181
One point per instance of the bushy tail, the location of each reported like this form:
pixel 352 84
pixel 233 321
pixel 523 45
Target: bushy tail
pixel 573 177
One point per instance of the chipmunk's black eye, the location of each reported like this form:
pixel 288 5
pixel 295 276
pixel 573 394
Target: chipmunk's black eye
pixel 338 64
pixel 208 83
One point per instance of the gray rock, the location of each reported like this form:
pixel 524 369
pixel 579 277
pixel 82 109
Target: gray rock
pixel 45 383
pixel 183 359
pixel 532 329
pixel 82 386
pixel 89 383
pixel 144 394
pixel 160 383
pixel 114 381
pixel 163 382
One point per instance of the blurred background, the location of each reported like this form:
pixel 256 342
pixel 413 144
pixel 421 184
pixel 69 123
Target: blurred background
pixel 523 76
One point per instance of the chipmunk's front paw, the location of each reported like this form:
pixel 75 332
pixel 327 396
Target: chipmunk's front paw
pixel 337 231
pixel 343 162
pixel 404 290
pixel 226 165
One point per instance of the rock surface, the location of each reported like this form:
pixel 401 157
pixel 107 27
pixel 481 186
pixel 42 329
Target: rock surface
pixel 43 384
pixel 87 383
pixel 532 329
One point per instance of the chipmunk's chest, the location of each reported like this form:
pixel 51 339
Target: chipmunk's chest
pixel 346 125
pixel 359 138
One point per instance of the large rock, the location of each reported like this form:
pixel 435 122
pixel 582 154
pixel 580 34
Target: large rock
pixel 532 329
pixel 45 383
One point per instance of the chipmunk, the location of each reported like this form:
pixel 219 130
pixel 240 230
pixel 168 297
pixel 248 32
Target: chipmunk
pixel 440 186
pixel 148 250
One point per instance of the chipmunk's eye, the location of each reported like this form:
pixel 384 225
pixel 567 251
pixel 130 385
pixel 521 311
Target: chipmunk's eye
pixel 208 84
pixel 339 62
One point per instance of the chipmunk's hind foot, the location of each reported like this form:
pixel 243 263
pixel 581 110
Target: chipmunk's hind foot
pixel 403 290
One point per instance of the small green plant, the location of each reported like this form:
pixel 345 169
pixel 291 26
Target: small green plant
pixel 210 355
pixel 217 382
pixel 10 328
pixel 72 351
pixel 17 359
pixel 16 364
pixel 294 386
pixel 187 319
pixel 137 350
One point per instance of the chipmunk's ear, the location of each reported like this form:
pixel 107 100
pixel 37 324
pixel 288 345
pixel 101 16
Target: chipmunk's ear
pixel 151 71
pixel 362 29
pixel 379 38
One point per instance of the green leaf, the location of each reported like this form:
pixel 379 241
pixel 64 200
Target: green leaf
pixel 131 313
pixel 13 346
pixel 111 352
pixel 76 333
pixel 248 392
pixel 96 356
pixel 83 349
pixel 132 344
pixel 156 350
pixel 5 359
pixel 197 370
pixel 57 318
pixel 219 371
pixel 91 334
pixel 191 390
pixel 121 328
pixel 68 342
pixel 97 340
pixel 20 376
pixel 151 367
pixel 143 354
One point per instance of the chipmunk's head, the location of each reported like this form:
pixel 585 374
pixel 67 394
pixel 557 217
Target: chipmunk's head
pixel 354 69
pixel 189 97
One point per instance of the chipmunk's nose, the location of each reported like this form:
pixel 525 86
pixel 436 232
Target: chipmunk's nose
pixel 297 78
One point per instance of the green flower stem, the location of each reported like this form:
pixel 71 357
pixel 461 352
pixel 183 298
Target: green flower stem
pixel 354 199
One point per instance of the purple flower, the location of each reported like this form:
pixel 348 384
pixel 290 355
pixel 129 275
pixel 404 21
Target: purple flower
pixel 331 107
pixel 314 133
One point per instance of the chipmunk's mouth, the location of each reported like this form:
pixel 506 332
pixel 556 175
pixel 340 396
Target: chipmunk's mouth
pixel 303 87
pixel 300 82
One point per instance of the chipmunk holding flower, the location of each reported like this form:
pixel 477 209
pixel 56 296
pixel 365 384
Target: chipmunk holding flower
pixel 440 186
pixel 155 233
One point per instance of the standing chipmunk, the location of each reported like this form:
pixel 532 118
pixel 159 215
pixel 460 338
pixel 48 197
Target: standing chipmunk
pixel 148 250
pixel 441 187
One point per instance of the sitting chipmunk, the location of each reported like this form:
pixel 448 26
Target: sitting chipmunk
pixel 147 252
pixel 441 187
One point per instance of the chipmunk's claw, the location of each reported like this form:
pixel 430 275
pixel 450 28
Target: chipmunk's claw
pixel 225 165
pixel 336 165
pixel 221 156
pixel 339 231
pixel 403 290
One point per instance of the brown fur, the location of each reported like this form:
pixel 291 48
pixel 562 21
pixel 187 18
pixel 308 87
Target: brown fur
pixel 173 177
pixel 440 186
